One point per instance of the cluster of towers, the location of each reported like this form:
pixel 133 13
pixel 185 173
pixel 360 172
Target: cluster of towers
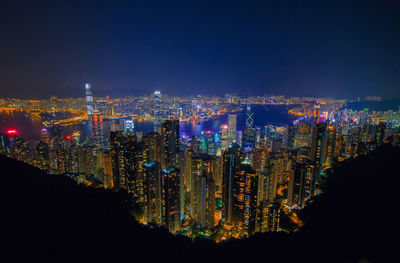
pixel 185 185
pixel 224 184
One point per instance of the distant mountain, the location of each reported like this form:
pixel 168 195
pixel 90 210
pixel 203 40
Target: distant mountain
pixel 49 217
pixel 375 105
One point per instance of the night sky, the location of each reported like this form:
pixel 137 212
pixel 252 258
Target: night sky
pixel 318 48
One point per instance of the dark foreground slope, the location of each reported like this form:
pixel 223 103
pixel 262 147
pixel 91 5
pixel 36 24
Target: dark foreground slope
pixel 51 217
pixel 354 221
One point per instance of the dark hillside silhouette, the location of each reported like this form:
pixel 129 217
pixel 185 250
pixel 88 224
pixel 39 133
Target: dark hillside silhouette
pixel 354 221
pixel 48 217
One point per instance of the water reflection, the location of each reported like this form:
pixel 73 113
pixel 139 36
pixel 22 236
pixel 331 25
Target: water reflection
pixel 30 129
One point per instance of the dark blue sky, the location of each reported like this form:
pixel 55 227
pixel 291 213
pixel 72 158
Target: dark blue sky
pixel 321 48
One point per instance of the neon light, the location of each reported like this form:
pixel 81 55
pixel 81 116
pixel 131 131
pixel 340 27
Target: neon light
pixel 11 131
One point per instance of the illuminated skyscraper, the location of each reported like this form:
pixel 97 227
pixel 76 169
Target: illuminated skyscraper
pixel 72 160
pixel 208 143
pixel 44 135
pixel 4 143
pixel 231 162
pixel 269 217
pixel 115 124
pixel 129 127
pixel 136 158
pixel 270 184
pixel 97 129
pixel 249 135
pixel 250 201
pixel 89 99
pixel 202 189
pixel 231 128
pixel 152 141
pixel 290 136
pixel 323 145
pixel 170 181
pixel 329 149
pixel 170 142
pixel 61 163
pixel 239 138
pixel 244 199
pixel 260 165
pixel 303 134
pixel 42 150
pixel 157 111
pixel 207 189
pixel 119 171
pixel 56 134
pixel 249 117
pixel 223 139
pixel 302 183
pixel 153 192
pixel 380 133
pixel 318 142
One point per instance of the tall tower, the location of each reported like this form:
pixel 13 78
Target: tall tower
pixel 89 99
pixel 153 192
pixel 170 182
pixel 302 183
pixel 318 143
pixel 290 136
pixel 249 117
pixel 329 150
pixel 231 162
pixel 97 128
pixel 231 128
pixel 170 143
pixel 157 111
pixel 202 189
pixel 117 142
pixel 249 133
pixel 223 139
pixel 250 198
pixel 380 133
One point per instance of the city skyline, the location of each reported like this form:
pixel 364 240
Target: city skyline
pixel 199 131
pixel 239 175
pixel 156 92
